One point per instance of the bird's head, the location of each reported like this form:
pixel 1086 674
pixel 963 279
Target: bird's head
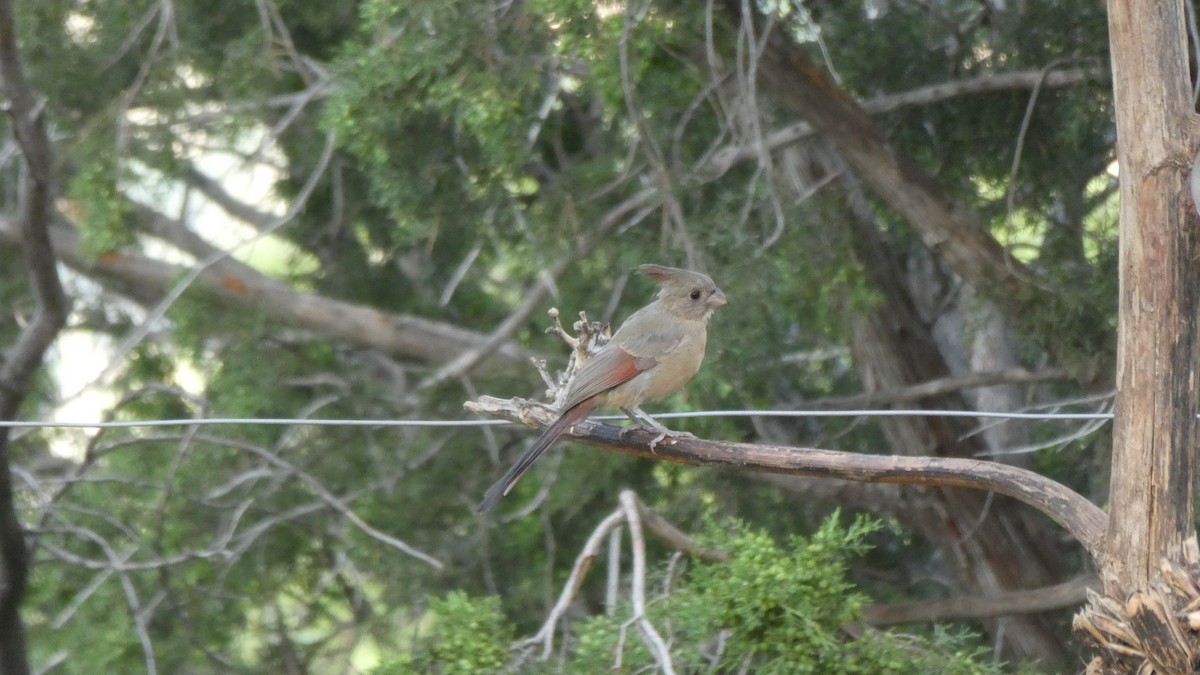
pixel 684 293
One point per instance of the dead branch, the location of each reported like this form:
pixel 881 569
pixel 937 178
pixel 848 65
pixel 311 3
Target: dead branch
pixel 675 537
pixel 583 562
pixel 650 635
pixel 634 513
pixel 1083 519
pixel 147 281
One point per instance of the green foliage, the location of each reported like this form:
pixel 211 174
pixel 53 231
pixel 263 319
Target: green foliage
pixel 95 189
pixel 439 76
pixel 786 608
pixel 777 609
pixel 477 144
pixel 466 635
pixel 787 604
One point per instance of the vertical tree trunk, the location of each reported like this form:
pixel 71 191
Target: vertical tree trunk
pixel 1149 560
pixel 1154 437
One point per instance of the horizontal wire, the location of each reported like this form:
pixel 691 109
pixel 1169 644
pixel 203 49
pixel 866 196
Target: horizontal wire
pixel 278 421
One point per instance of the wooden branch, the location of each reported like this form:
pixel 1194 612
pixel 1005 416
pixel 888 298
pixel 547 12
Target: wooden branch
pixel 146 280
pixel 985 84
pixel 583 563
pixel 1027 601
pixel 1084 520
pixel 637 583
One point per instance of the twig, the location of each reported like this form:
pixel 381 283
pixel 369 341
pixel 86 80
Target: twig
pixel 612 587
pixel 583 563
pixel 1083 519
pixel 637 593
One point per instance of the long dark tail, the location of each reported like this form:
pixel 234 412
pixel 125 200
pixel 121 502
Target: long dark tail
pixel 551 434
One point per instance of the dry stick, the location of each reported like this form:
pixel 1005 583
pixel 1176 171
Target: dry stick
pixel 340 506
pixel 632 510
pixel 583 562
pixel 1083 519
pixel 612 588
pixel 653 641
pixel 675 537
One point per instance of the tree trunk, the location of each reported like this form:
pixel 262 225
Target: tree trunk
pixel 1149 560
pixel 1155 428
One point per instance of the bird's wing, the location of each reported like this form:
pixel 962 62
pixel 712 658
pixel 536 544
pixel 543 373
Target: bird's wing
pixel 627 355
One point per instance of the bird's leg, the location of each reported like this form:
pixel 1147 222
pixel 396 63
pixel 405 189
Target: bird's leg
pixel 645 421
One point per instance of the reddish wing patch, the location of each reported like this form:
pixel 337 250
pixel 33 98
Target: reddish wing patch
pixel 605 370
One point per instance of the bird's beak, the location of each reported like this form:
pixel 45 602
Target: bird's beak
pixel 717 299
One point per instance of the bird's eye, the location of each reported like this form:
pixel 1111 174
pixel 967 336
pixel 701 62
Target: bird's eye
pixel 696 294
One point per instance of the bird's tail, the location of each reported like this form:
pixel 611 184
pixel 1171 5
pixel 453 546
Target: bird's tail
pixel 551 434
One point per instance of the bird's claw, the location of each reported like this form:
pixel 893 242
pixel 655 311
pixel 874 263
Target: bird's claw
pixel 654 441
pixel 664 434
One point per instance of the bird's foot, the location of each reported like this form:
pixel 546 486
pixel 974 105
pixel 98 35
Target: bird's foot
pixel 647 423
pixel 667 433
pixel 663 432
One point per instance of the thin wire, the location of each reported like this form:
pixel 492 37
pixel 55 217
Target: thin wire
pixel 278 421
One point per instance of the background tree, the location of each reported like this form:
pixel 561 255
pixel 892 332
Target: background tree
pixel 909 204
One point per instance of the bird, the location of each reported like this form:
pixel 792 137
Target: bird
pixel 652 355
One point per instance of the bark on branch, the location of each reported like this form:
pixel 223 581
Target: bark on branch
pixel 1083 519
pixel 147 280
